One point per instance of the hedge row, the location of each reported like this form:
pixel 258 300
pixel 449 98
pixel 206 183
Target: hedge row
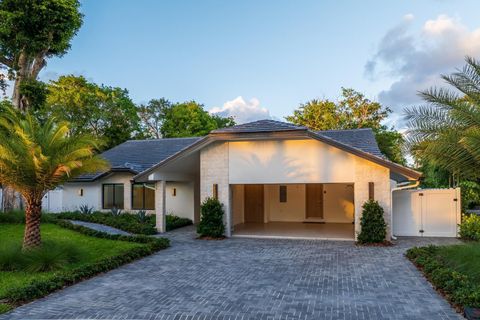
pixel 126 221
pixel 175 222
pixel 458 288
pixel 41 287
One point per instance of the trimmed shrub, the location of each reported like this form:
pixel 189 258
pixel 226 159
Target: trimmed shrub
pixel 459 289
pixel 470 228
pixel 50 256
pixel 373 226
pixel 175 222
pixel 211 221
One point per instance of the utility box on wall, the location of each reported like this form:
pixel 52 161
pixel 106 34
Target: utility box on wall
pixel 426 212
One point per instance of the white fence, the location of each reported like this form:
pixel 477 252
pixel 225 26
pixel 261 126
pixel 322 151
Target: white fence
pixel 426 212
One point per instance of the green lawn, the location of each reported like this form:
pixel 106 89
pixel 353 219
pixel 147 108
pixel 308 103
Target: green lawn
pixel 464 258
pixel 94 249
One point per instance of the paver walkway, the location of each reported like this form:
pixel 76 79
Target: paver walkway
pixel 253 279
pixel 99 227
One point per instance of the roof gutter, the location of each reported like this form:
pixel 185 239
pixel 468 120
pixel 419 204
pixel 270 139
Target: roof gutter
pixel 404 186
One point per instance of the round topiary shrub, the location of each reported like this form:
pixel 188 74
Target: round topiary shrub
pixel 211 220
pixel 374 228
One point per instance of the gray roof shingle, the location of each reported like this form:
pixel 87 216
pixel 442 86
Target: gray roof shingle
pixel 139 155
pixel 261 126
pixel 362 139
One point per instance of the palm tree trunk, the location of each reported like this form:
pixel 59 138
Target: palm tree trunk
pixel 33 212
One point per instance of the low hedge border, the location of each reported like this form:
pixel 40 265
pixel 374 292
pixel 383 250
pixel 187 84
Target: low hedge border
pixel 125 221
pixel 39 288
pixel 455 286
pixel 175 222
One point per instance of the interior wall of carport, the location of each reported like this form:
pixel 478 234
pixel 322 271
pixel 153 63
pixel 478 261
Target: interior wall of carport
pixel 293 161
pixel 338 203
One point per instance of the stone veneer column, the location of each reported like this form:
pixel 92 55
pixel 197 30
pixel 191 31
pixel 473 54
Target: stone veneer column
pixel 160 209
pixel 214 169
pixel 365 172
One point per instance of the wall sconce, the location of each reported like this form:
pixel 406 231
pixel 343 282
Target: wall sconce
pixel 174 192
pixel 80 192
pixel 215 191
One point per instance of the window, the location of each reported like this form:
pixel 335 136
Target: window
pixel 143 196
pixel 113 196
pixel 283 193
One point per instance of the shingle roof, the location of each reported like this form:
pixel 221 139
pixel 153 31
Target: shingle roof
pixel 261 126
pixel 139 155
pixel 363 139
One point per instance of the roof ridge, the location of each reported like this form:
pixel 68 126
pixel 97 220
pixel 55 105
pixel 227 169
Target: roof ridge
pixel 342 130
pixel 161 139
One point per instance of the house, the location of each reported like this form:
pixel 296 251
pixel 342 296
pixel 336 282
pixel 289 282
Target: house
pixel 273 178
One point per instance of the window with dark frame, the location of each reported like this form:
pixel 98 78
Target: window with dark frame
pixel 112 196
pixel 143 196
pixel 283 193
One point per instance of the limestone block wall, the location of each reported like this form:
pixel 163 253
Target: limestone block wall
pixel 365 172
pixel 214 170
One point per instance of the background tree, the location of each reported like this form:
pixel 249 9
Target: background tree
pixel 36 157
pixel 352 111
pixel 31 31
pixel 152 116
pixel 189 119
pixel 105 112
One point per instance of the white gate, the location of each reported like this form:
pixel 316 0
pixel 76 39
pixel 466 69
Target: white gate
pixel 426 212
pixel 52 201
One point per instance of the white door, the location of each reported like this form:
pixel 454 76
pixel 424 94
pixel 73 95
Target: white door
pixel 52 201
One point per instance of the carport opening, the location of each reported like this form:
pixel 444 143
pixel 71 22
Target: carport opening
pixel 314 210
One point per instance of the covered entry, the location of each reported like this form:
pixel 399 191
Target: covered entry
pixel 312 210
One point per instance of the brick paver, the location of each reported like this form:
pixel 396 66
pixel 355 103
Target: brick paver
pixel 253 279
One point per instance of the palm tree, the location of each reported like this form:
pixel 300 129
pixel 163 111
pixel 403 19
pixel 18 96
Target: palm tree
pixel 36 157
pixel 446 131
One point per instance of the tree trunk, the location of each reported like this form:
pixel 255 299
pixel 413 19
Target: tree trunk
pixel 8 199
pixel 33 212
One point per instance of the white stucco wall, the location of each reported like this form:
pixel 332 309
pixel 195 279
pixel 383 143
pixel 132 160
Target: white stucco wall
pixel 92 192
pixel 182 204
pixel 289 161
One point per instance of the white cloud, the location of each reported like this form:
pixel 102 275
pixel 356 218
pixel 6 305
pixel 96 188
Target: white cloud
pixel 242 111
pixel 416 60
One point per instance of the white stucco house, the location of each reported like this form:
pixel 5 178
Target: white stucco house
pixel 273 178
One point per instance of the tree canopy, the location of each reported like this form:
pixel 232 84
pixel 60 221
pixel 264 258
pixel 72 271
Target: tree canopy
pixel 106 112
pixel 32 31
pixel 161 118
pixel 353 110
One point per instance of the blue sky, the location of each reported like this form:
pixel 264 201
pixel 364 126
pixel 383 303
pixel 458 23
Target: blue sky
pixel 255 59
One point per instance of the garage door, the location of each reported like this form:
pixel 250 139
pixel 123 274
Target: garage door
pixel 426 212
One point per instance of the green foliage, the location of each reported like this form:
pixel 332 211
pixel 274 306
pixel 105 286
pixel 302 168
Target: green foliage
pixel 115 211
pixel 36 157
pixel 352 111
pixel 10 254
pixel 175 222
pixel 124 221
pixel 211 221
pixel 189 119
pixel 4 307
pixel 41 285
pixel 470 194
pixel 102 111
pixel 436 263
pixel 85 209
pixel 35 92
pixel 34 26
pixel 470 227
pixel 372 222
pixel 446 131
pixel 142 216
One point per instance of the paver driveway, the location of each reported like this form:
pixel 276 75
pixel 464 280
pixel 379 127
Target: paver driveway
pixel 253 279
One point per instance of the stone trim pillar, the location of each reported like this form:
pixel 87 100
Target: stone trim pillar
pixel 160 206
